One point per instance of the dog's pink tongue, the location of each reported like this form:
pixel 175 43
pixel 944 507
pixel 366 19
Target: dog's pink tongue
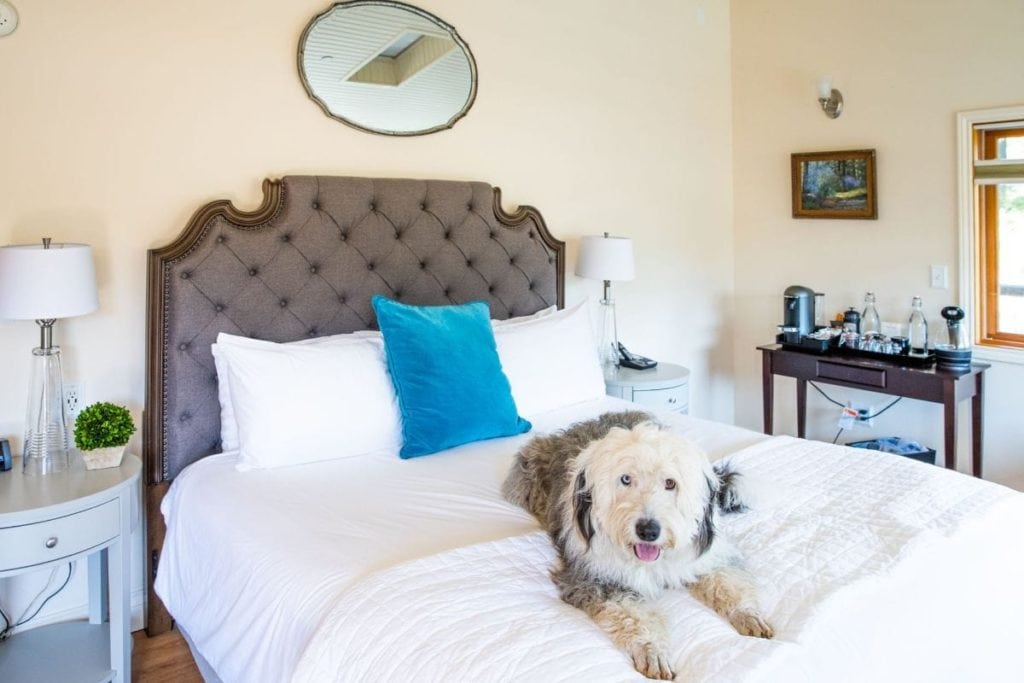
pixel 647 552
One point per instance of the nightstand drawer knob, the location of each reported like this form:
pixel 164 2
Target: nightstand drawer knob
pixel 51 542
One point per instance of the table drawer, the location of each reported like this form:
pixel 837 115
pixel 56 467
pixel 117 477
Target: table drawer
pixel 32 544
pixel 870 377
pixel 669 398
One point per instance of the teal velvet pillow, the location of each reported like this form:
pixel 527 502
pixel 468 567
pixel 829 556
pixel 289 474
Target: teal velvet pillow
pixel 444 365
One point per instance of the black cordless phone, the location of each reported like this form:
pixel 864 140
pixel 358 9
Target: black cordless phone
pixel 631 360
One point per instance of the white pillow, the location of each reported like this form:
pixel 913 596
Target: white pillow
pixel 297 403
pixel 551 361
pixel 542 313
pixel 228 423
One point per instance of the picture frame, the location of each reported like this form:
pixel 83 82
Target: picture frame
pixel 834 184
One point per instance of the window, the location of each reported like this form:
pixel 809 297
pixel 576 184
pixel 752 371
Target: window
pixel 1000 201
pixel 992 225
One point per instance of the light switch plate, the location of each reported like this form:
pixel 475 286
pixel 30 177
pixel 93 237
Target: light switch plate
pixel 8 18
pixel 939 277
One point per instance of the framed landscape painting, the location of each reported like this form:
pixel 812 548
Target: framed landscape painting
pixel 834 184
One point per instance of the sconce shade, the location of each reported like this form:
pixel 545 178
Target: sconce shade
pixel 606 258
pixel 824 87
pixel 37 283
pixel 830 99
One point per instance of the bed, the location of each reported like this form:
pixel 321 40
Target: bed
pixel 374 567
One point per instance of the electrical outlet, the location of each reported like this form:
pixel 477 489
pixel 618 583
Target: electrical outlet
pixel 865 416
pixel 72 400
pixel 939 277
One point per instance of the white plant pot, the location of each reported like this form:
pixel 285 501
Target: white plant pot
pixel 102 458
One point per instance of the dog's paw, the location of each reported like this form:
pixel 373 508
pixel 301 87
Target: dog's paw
pixel 751 624
pixel 652 662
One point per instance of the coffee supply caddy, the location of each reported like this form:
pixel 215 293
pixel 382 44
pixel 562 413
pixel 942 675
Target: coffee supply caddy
pixel 852 333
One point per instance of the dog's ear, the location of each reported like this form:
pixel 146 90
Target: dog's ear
pixel 581 504
pixel 706 527
pixel 729 496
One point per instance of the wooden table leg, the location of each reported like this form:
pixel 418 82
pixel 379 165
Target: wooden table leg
pixel 801 408
pixel 767 390
pixel 949 419
pixel 977 407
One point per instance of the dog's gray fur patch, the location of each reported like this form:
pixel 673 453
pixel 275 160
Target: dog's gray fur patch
pixel 541 467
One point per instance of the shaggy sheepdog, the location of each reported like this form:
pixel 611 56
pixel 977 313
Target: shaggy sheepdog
pixel 631 509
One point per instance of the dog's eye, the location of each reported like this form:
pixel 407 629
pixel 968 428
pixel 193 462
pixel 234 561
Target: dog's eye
pixel 625 479
pixel 670 484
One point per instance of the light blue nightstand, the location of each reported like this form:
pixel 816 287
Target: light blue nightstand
pixel 59 518
pixel 665 386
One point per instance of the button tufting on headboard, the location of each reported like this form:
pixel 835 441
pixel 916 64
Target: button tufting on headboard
pixel 289 270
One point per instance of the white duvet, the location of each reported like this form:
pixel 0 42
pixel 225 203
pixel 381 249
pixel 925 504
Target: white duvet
pixel 871 568
pixel 848 524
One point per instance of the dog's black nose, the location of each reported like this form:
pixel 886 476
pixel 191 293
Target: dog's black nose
pixel 648 530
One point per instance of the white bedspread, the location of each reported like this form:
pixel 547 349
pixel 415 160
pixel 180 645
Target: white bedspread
pixel 871 568
pixel 253 561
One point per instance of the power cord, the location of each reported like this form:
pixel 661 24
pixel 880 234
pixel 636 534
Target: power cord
pixel 8 626
pixel 827 397
pixel 843 405
pixel 871 417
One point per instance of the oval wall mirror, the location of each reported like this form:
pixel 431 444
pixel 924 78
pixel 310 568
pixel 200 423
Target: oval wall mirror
pixel 387 67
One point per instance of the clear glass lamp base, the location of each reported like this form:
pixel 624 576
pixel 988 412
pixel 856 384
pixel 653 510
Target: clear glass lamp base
pixel 608 348
pixel 46 432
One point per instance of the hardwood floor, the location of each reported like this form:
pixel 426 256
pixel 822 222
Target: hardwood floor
pixel 163 659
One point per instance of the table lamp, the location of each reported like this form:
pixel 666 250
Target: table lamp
pixel 607 258
pixel 43 282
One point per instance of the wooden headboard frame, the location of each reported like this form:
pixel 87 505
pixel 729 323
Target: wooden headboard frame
pixel 305 263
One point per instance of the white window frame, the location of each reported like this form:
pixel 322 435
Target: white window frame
pixel 965 122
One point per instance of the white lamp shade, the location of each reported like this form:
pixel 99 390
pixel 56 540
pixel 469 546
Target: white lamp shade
pixel 40 284
pixel 606 258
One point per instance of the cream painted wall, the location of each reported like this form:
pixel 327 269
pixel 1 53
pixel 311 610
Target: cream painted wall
pixel 905 68
pixel 121 118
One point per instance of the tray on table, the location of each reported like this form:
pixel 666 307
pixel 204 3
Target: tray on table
pixel 830 347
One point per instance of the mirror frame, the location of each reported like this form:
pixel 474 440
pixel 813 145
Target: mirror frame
pixel 410 8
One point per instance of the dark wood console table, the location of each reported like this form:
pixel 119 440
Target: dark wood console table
pixel 926 384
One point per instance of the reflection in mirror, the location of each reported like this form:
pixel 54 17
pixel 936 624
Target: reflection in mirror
pixel 387 67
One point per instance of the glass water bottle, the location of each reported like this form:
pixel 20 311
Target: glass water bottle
pixel 869 320
pixel 918 333
pixel 820 319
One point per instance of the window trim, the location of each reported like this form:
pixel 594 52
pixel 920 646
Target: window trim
pixel 970 240
pixel 987 194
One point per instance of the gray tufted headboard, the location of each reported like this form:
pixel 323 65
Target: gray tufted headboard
pixel 305 264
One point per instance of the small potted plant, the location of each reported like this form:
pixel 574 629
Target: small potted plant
pixel 102 431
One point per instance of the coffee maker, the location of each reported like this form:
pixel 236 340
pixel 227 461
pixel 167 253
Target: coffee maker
pixel 797 313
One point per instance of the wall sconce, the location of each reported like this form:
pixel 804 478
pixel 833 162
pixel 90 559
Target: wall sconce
pixel 830 99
